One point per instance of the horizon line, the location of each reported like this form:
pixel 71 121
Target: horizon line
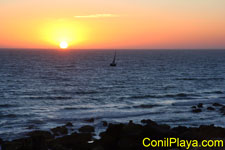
pixel 112 49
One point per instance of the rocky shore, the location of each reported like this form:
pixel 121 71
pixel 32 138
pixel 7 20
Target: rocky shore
pixel 116 137
pixel 213 107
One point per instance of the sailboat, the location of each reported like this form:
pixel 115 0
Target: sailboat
pixel 113 64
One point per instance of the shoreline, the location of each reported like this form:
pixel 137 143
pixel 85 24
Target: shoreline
pixel 116 136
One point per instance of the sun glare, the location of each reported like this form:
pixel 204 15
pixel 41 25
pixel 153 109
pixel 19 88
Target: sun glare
pixel 63 45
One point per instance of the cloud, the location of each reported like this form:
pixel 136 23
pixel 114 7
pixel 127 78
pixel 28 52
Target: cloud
pixel 98 16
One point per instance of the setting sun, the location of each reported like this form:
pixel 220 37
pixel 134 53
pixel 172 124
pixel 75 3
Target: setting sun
pixel 63 45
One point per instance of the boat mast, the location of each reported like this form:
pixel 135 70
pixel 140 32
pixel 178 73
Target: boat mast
pixel 114 59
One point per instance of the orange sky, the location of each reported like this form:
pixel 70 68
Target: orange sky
pixel 112 23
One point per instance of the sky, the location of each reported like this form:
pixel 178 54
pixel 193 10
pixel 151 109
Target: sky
pixel 102 24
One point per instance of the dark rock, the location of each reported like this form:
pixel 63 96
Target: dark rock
pixel 156 131
pixel 1 141
pixel 90 120
pixel 104 123
pixel 113 129
pixel 60 131
pixel 39 143
pixel 210 108
pixel 211 131
pixel 180 129
pixel 131 129
pixel 111 137
pixel 131 122
pixel 69 124
pixel 193 107
pixel 149 122
pixel 87 129
pixel 212 125
pixel 43 134
pixel 196 110
pixel 164 126
pixel 217 104
pixel 20 144
pixel 200 105
pixel 116 137
pixel 75 141
pixel 108 142
pixel 98 148
pixel 126 143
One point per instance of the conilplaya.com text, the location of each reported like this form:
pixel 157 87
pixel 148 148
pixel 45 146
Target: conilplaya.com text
pixel 179 143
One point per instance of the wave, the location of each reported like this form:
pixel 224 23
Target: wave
pixel 6 105
pixel 178 95
pixel 50 97
pixel 76 108
pixel 143 96
pixel 214 92
pixel 35 121
pixel 145 106
pixel 125 107
pixel 199 79
pixel 127 115
pixel 205 102
pixel 14 115
pixel 86 92
pixel 9 116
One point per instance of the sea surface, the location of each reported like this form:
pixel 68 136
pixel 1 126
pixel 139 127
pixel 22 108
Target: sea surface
pixel 42 89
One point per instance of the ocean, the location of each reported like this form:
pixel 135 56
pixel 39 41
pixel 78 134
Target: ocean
pixel 42 89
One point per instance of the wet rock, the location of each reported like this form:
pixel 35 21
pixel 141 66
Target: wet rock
pixel 60 131
pixel 196 110
pixel 38 143
pixel 111 137
pixel 98 148
pixel 69 124
pixel 90 120
pixel 87 129
pixel 131 129
pixel 165 126
pixel 104 123
pixel 180 129
pixel 211 131
pixel 57 147
pixel 113 130
pixel 31 127
pixel 75 141
pixel 1 141
pixel 193 107
pixel 149 122
pixel 200 105
pixel 108 142
pixel 127 143
pixel 156 131
pixel 217 105
pixel 116 137
pixel 43 134
pixel 20 144
pixel 210 108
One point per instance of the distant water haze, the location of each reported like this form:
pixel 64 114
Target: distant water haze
pixel 41 89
